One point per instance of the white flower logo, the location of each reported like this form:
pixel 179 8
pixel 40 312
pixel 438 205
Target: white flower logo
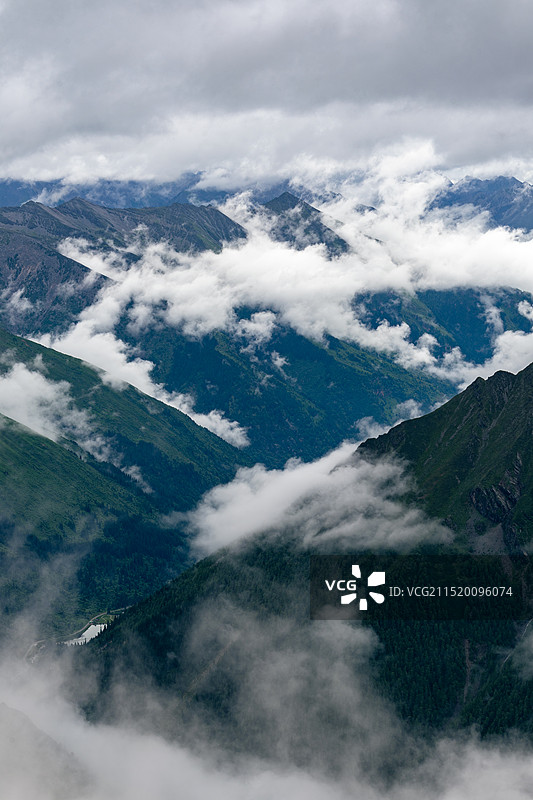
pixel 374 579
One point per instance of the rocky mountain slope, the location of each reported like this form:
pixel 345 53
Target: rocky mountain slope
pixel 507 201
pixel 472 459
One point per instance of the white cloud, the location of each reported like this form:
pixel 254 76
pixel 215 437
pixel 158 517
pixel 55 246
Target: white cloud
pixel 339 500
pixel 119 764
pixel 526 309
pixel 161 89
pixel 120 366
pixel 368 427
pixel 281 665
pixel 45 407
pixel 397 248
pixel 258 329
pixel 200 293
pixel 513 351
pixel 16 302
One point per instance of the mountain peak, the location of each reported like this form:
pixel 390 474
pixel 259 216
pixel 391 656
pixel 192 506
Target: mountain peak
pixel 285 202
pixel 77 202
pixel 472 458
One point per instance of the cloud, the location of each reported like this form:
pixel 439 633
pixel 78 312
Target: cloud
pixel 397 248
pixel 44 406
pixel 198 294
pixel 513 351
pixel 16 302
pixel 367 427
pixel 112 762
pixel 47 408
pixel 258 329
pixel 141 90
pixel 305 702
pixel 120 365
pixel 337 501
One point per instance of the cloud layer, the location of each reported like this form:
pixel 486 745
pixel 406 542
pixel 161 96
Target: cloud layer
pixel 46 407
pixel 397 248
pixel 338 502
pixel 153 89
pixel 301 689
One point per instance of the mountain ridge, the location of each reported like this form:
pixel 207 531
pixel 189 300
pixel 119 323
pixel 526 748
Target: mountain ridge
pixel 98 494
pixel 506 200
pixel 252 581
pixel 471 458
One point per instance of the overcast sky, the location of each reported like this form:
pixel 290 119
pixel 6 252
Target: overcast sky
pixel 251 88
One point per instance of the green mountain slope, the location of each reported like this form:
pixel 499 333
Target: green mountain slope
pixel 203 640
pixel 472 458
pixel 296 397
pixel 471 462
pixel 178 459
pixel 100 506
pixel 54 508
pixel 47 489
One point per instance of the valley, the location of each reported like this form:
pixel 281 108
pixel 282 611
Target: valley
pixel 177 438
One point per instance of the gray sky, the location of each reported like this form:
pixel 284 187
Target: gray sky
pixel 251 88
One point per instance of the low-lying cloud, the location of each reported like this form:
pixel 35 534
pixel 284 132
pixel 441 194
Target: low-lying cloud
pixel 397 248
pixel 47 408
pixel 120 365
pixel 305 697
pixel 339 500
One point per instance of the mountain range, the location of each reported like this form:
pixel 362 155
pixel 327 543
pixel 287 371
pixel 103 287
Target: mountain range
pixel 86 491
pixel 101 479
pixel 506 201
pixel 464 463
pixel 471 459
pixel 295 395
